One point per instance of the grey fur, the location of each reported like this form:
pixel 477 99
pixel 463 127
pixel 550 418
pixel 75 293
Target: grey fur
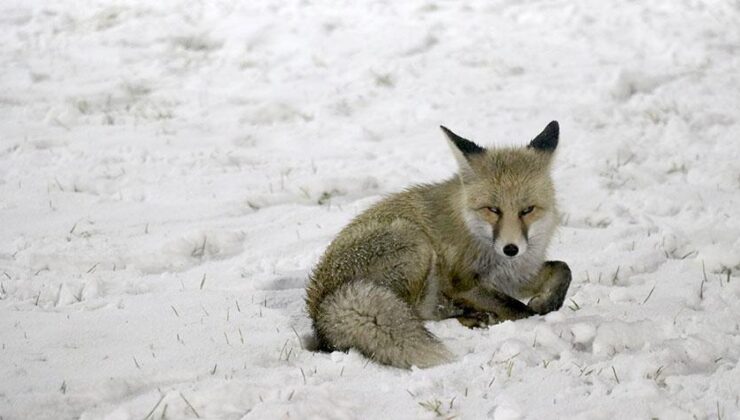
pixel 381 326
pixel 432 252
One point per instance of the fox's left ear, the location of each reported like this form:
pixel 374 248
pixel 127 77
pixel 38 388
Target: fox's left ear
pixel 547 140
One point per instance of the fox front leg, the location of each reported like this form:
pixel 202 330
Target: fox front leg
pixel 551 285
pixel 482 307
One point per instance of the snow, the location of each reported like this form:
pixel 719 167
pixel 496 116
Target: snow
pixel 170 171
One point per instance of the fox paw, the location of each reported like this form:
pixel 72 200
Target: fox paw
pixel 552 295
pixel 478 319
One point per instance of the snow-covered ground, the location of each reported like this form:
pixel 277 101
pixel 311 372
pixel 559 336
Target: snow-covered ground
pixel 171 171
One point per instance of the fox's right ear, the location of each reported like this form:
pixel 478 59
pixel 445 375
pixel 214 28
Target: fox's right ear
pixel 463 150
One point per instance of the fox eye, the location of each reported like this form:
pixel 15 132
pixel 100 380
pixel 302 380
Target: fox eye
pixel 494 210
pixel 526 211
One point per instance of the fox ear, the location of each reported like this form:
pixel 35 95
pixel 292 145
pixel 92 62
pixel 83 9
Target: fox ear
pixel 463 149
pixel 547 140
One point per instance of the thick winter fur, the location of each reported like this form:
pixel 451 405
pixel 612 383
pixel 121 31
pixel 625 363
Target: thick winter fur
pixel 468 247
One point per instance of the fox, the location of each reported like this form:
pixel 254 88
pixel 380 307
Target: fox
pixel 471 247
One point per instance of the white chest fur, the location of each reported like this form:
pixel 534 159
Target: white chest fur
pixel 510 275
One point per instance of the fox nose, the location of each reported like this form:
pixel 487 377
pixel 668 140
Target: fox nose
pixel 511 250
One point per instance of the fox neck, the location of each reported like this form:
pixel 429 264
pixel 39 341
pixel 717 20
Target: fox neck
pixel 511 275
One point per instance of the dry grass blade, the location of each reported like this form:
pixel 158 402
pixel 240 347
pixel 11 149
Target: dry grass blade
pixel 161 398
pixel 649 294
pixel 300 342
pixel 189 405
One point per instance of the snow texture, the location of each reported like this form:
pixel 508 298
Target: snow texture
pixel 170 171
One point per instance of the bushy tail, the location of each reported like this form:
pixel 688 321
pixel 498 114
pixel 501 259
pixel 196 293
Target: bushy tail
pixel 373 320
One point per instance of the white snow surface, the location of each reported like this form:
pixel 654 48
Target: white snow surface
pixel 171 171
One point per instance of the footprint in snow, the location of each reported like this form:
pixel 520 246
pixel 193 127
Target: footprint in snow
pixel 192 249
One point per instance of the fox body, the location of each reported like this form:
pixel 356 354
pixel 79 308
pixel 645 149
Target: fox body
pixel 469 247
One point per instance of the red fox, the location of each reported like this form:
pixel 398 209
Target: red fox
pixel 469 248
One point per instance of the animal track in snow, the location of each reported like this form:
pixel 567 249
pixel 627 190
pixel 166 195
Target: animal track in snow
pixel 192 249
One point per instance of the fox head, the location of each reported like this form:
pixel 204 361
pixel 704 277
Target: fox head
pixel 508 195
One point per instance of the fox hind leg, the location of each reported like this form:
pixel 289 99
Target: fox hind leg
pixel 553 281
pixel 373 305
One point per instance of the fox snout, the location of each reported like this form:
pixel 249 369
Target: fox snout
pixel 507 232
pixel 509 239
